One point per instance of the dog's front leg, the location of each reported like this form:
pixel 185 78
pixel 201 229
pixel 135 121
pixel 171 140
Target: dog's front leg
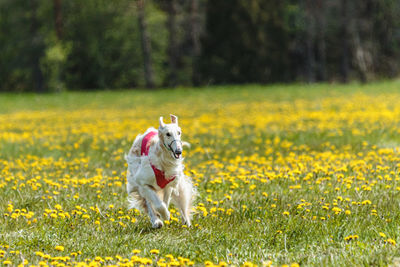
pixel 150 195
pixel 167 196
pixel 155 221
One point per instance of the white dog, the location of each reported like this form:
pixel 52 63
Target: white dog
pixel 155 172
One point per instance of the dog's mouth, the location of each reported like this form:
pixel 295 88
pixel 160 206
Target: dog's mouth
pixel 176 151
pixel 177 155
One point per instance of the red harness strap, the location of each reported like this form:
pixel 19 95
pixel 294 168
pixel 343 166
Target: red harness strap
pixel 160 175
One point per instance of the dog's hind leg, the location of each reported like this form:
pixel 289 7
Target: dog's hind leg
pixel 150 195
pixel 129 187
pixel 155 221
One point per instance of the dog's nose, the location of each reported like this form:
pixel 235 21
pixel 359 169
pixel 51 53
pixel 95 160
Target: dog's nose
pixel 178 151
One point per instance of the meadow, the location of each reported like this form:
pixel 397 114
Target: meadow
pixel 287 175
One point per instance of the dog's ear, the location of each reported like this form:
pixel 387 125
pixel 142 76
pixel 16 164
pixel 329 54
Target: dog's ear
pixel 174 119
pixel 162 124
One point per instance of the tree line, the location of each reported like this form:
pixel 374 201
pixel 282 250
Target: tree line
pixel 54 45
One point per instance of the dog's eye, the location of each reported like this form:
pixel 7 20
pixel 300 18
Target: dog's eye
pixel 168 134
pixel 179 133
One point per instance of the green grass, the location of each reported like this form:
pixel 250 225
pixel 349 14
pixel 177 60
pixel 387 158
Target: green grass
pixel 258 151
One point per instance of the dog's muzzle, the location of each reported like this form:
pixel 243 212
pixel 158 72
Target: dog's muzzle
pixel 178 151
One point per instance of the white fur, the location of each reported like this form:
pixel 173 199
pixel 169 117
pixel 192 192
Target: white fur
pixel 143 191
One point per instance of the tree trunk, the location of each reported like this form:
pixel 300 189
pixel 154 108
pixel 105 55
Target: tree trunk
pixel 36 49
pixel 310 36
pixel 360 58
pixel 172 44
pixel 58 18
pixel 344 67
pixel 321 47
pixel 362 41
pixel 195 37
pixel 146 45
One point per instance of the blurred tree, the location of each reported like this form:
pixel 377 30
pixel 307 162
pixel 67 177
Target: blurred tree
pixel 345 35
pixel 146 45
pixel 184 25
pixel 171 7
pixel 386 32
pixel 58 18
pixel 310 40
pixel 320 19
pixel 37 47
pixel 315 44
pixel 195 29
pixel 245 41
pixel 363 46
pixel 98 44
pixel 102 55
pixel 22 46
pixel 53 61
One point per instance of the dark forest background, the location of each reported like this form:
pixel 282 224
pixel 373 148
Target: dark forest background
pixel 54 45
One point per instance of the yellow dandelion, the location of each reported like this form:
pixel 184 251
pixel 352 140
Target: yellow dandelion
pixel 146 261
pixel 391 241
pixel 59 248
pixel 154 251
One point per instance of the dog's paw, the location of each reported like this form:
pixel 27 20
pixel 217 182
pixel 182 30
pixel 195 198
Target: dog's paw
pixel 186 221
pixel 163 211
pixel 158 224
pixel 167 216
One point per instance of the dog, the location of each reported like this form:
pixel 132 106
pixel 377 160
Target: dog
pixel 155 172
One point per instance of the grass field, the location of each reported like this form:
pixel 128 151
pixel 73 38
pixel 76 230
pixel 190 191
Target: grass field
pixel 297 175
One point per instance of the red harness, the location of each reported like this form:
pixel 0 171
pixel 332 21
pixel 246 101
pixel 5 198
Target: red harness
pixel 160 175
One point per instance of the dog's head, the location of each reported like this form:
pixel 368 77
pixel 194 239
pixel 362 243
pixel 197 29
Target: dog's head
pixel 170 137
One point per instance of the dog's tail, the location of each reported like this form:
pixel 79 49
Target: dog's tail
pixel 184 143
pixel 136 202
pixel 193 190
